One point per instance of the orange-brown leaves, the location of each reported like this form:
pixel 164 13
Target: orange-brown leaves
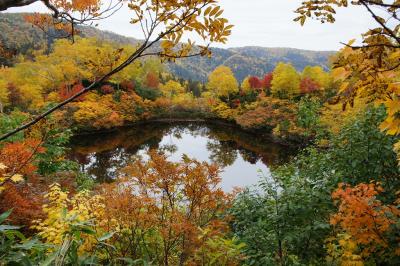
pixel 45 22
pixel 152 80
pixel 18 156
pixel 107 89
pixel 14 96
pixel 308 86
pixel 24 200
pixel 269 112
pixel 173 201
pixel 67 91
pixel 364 217
pixel 62 15
pixel 127 85
pixel 98 112
pixel 80 5
pixel 7 52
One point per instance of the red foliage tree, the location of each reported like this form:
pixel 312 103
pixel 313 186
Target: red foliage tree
pixel 24 198
pixel 266 82
pixel 107 89
pixel 18 156
pixel 236 103
pixel 25 202
pixel 66 91
pixel 127 85
pixel 255 82
pixel 152 80
pixel 308 86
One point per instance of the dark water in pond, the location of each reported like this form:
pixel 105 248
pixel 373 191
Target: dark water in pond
pixel 241 155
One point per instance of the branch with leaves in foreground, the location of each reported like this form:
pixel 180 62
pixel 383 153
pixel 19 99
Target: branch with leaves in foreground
pixel 163 22
pixel 67 14
pixel 369 70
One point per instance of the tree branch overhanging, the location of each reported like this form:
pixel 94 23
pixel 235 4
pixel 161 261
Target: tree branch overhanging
pixel 6 4
pixel 180 24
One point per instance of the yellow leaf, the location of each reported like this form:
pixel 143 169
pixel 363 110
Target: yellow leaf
pixel 395 55
pixel 17 178
pixel 3 166
pixel 207 11
pixel 351 42
pixel 214 11
pixel 339 73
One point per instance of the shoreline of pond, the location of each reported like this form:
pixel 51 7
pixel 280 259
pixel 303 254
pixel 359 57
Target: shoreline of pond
pixel 232 149
pixel 289 142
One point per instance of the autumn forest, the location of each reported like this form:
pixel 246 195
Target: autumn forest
pixel 161 150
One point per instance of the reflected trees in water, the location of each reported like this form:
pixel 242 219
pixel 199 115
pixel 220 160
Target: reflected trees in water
pixel 103 155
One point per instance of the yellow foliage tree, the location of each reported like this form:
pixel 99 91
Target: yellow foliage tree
pixel 335 118
pixel 342 250
pixel 97 111
pixel 4 101
pixel 86 58
pixel 32 94
pixel 317 74
pixel 245 86
pixel 62 212
pixel 222 82
pixel 6 176
pixel 172 88
pixel 224 111
pixel 286 82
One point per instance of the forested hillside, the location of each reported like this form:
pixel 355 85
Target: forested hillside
pixel 22 37
pixel 243 61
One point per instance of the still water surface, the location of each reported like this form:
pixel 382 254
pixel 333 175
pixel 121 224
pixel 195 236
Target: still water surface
pixel 240 155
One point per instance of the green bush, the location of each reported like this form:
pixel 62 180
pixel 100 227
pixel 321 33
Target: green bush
pixel 287 222
pixel 308 116
pixel 147 93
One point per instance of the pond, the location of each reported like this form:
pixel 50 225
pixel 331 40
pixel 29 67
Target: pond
pixel 243 157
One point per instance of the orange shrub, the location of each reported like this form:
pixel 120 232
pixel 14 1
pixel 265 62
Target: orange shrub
pixel 163 208
pixel 268 113
pixel 365 218
pixel 18 156
pixel 67 91
pixel 25 202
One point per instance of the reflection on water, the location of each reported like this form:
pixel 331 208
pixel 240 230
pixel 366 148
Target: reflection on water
pixel 240 155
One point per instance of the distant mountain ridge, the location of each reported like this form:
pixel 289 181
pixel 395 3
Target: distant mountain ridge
pixel 252 60
pixel 243 61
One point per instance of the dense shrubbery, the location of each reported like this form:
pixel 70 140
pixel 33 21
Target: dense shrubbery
pixel 146 91
pixel 162 213
pixel 336 203
pixel 318 209
pixel 292 221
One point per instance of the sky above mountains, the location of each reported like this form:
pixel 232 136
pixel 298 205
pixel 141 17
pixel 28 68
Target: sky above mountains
pixel 267 23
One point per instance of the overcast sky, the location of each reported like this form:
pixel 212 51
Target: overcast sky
pixel 266 23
